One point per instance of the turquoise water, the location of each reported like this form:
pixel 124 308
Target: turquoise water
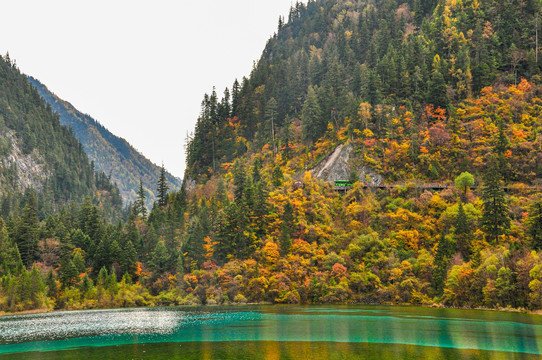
pixel 272 332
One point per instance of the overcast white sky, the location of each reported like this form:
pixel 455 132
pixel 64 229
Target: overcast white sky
pixel 140 68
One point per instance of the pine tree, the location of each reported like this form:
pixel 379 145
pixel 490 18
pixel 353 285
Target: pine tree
pixel 10 259
pixel 28 231
pixel 86 285
pixel 79 263
pixel 239 181
pixel 260 210
pixel 437 86
pixel 102 276
pixel 90 223
pixel 462 233
pixel 68 273
pixel 277 177
pixel 37 288
pixel 235 98
pixel 271 117
pixel 193 246
pixel 221 194
pixel 287 228
pixel 502 144
pixel 313 125
pixel 162 188
pixel 139 206
pixel 52 287
pixel 445 249
pixel 495 217
pixel 128 259
pixel 534 223
pixel 160 257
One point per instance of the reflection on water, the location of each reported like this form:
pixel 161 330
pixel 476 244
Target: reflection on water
pixel 273 332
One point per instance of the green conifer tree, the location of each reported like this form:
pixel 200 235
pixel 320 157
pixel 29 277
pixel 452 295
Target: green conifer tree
pixel 28 231
pixel 445 249
pixel 287 228
pixel 495 216
pixel 462 233
pixel 139 206
pixel 160 257
pixel 162 188
pixel 534 224
pixel 239 181
pixel 313 125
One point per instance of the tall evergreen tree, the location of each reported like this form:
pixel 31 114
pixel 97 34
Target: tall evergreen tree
pixel 437 85
pixel 271 117
pixel 287 228
pixel 502 144
pixel 193 246
pixel 534 223
pixel 495 216
pixel 160 257
pixel 139 206
pixel 239 181
pixel 10 259
pixel 445 249
pixel 28 231
pixel 462 233
pixel 313 125
pixel 162 187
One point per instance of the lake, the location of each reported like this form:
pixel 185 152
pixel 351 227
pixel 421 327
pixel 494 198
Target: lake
pixel 272 332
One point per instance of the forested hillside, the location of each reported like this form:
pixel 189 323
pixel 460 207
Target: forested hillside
pixel 40 157
pixel 439 100
pixel 112 155
pixel 332 56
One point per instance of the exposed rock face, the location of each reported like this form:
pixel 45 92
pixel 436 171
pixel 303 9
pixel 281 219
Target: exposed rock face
pixel 340 164
pixel 335 166
pixel 25 170
pixel 110 154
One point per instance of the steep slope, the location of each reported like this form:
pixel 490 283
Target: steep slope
pixel 438 99
pixel 110 154
pixel 38 153
pixel 332 56
pixel 438 112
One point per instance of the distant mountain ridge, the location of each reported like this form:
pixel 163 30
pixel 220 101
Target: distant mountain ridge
pixel 111 154
pixel 42 164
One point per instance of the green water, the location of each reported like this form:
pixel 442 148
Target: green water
pixel 272 332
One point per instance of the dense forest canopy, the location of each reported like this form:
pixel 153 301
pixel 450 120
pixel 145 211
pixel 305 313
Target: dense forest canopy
pixel 417 93
pixel 332 56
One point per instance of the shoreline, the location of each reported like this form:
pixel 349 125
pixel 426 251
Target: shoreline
pixel 537 312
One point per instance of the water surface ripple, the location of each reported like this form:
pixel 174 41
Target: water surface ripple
pixel 442 328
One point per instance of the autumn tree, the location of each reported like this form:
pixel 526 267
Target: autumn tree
pixel 463 182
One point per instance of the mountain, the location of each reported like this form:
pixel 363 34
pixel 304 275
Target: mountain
pixel 425 112
pixel 332 56
pixel 380 152
pixel 109 153
pixel 41 157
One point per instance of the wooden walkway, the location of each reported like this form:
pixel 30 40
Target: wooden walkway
pixel 431 187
